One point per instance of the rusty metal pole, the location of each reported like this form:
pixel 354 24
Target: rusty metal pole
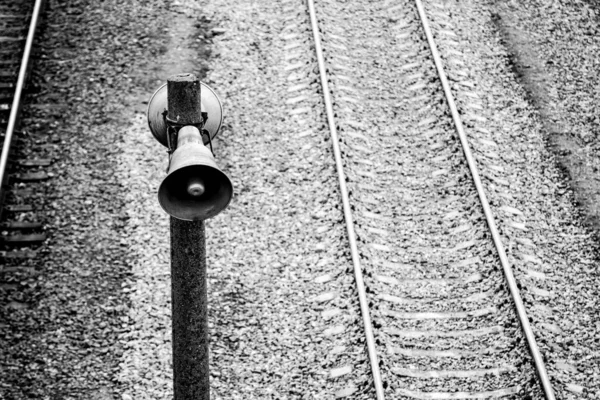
pixel 189 306
pixel 188 268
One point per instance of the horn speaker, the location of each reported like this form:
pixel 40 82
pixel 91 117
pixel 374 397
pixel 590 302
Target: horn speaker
pixel 195 188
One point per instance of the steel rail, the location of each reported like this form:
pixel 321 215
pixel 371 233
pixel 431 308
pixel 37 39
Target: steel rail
pixel 362 296
pixel 510 278
pixel 15 107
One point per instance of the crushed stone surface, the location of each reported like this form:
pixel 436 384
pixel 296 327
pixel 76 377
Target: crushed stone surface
pixel 283 317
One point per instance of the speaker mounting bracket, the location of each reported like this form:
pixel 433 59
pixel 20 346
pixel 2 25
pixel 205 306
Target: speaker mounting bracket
pixel 212 115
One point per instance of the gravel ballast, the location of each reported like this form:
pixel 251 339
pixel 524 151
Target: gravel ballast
pixel 553 255
pixel 67 342
pixel 283 316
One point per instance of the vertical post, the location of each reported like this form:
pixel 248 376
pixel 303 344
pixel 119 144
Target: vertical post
pixel 188 268
pixel 190 327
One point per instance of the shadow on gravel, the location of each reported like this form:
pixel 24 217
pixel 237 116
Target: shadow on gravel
pixel 579 165
pixel 97 65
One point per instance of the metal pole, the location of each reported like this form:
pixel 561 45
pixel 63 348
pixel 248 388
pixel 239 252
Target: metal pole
pixel 188 268
pixel 190 328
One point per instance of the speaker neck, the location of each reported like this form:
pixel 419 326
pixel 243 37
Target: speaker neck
pixel 189 134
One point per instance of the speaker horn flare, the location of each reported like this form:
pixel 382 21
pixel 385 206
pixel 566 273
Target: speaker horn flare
pixel 195 188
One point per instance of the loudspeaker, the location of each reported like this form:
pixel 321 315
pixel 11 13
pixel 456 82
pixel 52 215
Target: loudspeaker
pixel 195 188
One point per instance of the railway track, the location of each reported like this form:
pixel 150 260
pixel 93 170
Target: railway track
pixel 20 171
pixel 442 314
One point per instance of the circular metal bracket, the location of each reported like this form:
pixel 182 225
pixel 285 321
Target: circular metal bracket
pixel 210 103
